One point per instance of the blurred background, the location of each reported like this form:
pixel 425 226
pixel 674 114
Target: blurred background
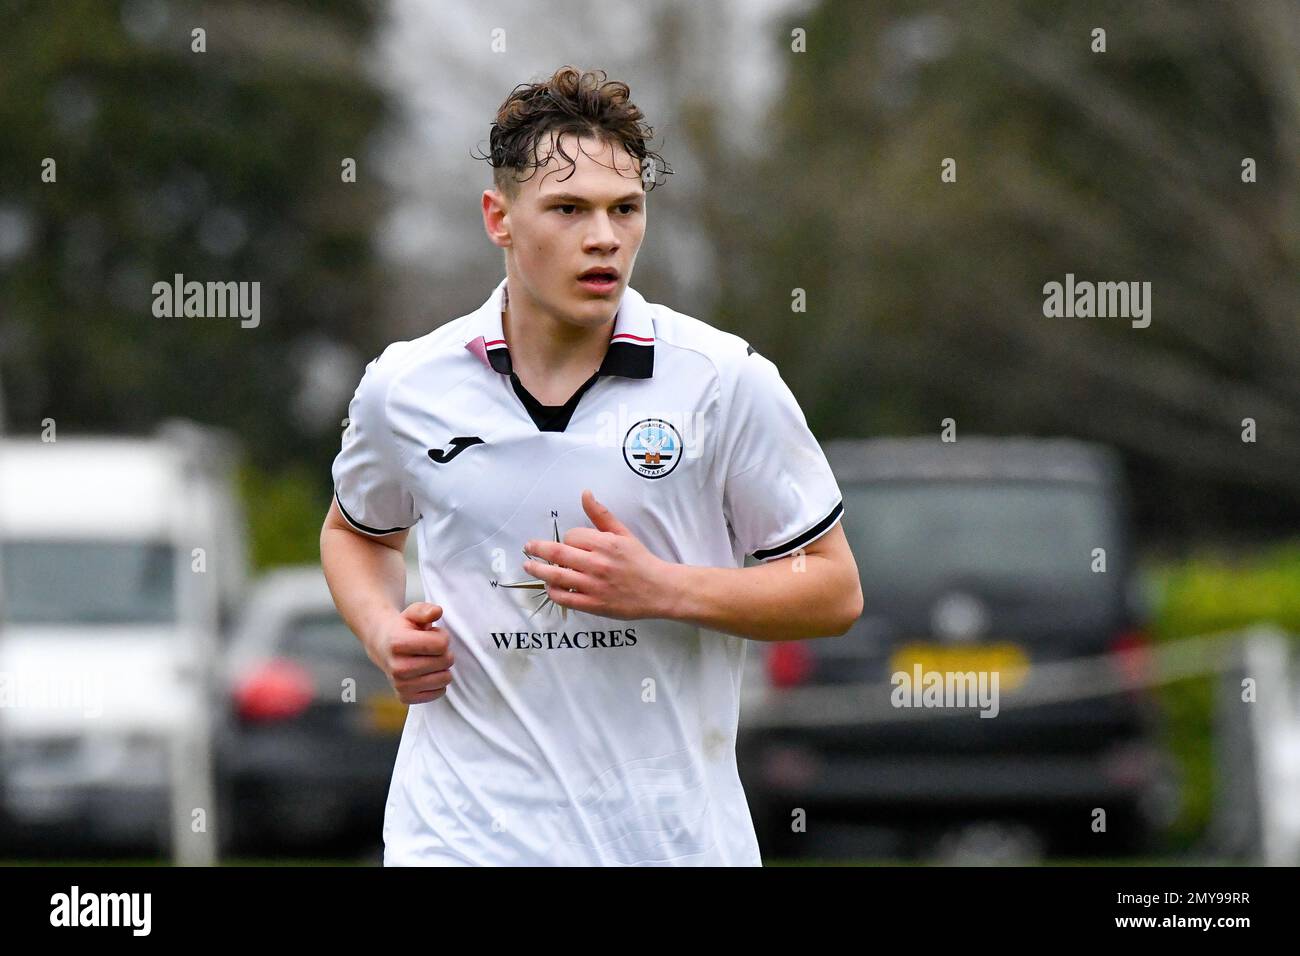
pixel 874 195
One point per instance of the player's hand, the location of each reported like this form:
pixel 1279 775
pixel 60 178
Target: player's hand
pixel 603 570
pixel 414 653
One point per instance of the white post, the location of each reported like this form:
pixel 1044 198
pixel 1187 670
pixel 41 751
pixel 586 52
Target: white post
pixel 190 744
pixel 1276 734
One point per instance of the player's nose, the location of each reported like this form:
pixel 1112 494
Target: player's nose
pixel 602 234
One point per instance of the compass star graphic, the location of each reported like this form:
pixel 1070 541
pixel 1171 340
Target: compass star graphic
pixel 543 599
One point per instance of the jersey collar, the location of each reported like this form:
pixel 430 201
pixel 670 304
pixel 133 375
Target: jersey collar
pixel 631 351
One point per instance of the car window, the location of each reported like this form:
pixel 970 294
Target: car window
pixel 914 539
pixel 87 582
pixel 320 636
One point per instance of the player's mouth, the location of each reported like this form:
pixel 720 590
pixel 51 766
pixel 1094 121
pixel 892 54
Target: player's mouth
pixel 601 280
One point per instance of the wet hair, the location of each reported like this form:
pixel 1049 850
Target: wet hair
pixel 582 102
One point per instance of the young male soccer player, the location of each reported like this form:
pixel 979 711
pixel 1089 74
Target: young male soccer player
pixel 586 471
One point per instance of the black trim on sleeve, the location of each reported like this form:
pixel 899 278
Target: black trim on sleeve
pixel 797 542
pixel 358 525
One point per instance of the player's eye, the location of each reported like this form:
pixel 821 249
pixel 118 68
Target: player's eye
pixel 566 206
pixel 629 207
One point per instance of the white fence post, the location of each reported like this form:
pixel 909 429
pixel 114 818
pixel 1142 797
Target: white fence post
pixel 1276 735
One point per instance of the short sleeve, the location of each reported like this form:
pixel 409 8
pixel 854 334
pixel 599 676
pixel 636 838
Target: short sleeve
pixel 367 471
pixel 780 493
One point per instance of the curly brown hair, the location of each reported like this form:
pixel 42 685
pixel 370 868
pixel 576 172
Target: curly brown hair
pixel 583 102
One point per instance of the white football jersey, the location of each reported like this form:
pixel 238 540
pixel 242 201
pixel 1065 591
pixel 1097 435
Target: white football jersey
pixel 566 738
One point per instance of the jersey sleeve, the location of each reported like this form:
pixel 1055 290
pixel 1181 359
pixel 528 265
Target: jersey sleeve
pixel 779 493
pixel 368 477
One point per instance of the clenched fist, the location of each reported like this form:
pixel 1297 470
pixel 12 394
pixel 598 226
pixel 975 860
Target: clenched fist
pixel 414 653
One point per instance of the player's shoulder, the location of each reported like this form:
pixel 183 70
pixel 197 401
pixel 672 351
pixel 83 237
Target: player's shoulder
pixel 444 344
pixel 735 362
pixel 725 351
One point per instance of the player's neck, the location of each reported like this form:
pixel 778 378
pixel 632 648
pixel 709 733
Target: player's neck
pixel 547 346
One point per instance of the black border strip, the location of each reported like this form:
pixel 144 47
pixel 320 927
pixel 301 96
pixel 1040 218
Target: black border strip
pixel 358 525
pixel 804 538
pixel 625 359
pixel 629 359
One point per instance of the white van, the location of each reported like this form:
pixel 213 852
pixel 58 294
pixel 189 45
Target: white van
pixel 121 560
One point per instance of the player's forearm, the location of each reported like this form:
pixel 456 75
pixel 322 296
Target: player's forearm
pixel 781 600
pixel 366 578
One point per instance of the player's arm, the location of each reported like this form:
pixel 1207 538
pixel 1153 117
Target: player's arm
pixel 366 575
pixel 362 543
pixel 815 592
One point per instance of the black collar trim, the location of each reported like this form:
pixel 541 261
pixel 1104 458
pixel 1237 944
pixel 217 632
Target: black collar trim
pixel 625 359
pixel 550 418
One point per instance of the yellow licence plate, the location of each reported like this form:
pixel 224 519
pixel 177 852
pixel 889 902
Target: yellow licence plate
pixel 1009 661
pixel 385 713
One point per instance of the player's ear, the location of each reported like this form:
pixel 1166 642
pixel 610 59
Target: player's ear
pixel 495 211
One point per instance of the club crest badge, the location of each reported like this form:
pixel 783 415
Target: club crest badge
pixel 652 448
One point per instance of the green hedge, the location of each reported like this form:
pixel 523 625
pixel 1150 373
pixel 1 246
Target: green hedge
pixel 1202 595
pixel 285 511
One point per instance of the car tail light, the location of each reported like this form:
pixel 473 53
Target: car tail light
pixel 789 664
pixel 277 690
pixel 1131 656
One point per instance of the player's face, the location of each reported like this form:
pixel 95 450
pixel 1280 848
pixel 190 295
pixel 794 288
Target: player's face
pixel 563 224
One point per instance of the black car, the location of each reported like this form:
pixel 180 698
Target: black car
pixel 306 746
pixel 1006 558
